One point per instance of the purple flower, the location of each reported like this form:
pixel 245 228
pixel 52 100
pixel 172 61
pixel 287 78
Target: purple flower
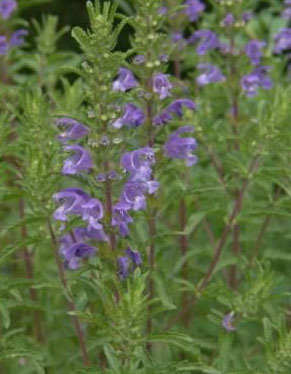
pixel 72 200
pixel 228 20
pixel 17 38
pixel 92 212
pixel 121 218
pixel 79 161
pixel 247 16
pixel 193 9
pixel 210 74
pixel 91 234
pixel 207 41
pixel 253 51
pixel 177 36
pixel 134 256
pixel 7 7
pixel 73 129
pixel 175 108
pixel 133 194
pixel 125 81
pixel 181 148
pixel 139 163
pixel 256 79
pixel 3 45
pixel 139 60
pixel 132 116
pixel 287 12
pixel 123 264
pixel 162 85
pixel 75 252
pixel 227 322
pixel 164 58
pixel 283 40
pixel 163 10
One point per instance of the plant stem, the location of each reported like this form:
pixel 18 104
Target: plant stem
pixel 28 261
pixel 219 248
pixel 71 304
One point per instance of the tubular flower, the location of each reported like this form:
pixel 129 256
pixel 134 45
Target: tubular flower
pixel 134 256
pixel 78 162
pixel 175 108
pixel 123 265
pixel 162 85
pixel 207 41
pixel 7 7
pixel 256 79
pixel 283 40
pixel 182 148
pixel 75 252
pixel 227 322
pixel 92 212
pixel 132 116
pixel 121 218
pixel 125 81
pixel 17 38
pixel 139 163
pixel 253 51
pixel 210 74
pixel 193 8
pixel 73 129
pixel 4 46
pixel 72 200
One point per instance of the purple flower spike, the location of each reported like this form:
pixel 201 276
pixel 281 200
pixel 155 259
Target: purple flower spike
pixel 256 79
pixel 123 264
pixel 182 148
pixel 7 7
pixel 75 253
pixel 134 256
pixel 253 51
pixel 125 81
pixel 3 45
pixel 132 116
pixel 92 212
pixel 73 129
pixel 207 41
pixel 17 38
pixel 210 74
pixel 227 322
pixel 175 108
pixel 283 40
pixel 287 12
pixel 121 218
pixel 162 85
pixel 72 200
pixel 78 162
pixel 193 9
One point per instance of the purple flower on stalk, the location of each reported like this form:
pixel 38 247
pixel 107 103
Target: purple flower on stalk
pixel 92 212
pixel 176 37
pixel 73 129
pixel 78 162
pixel 182 148
pixel 125 81
pixel 175 108
pixel 133 194
pixel 139 163
pixel 75 252
pixel 162 85
pixel 134 256
pixel 121 218
pixel 3 45
pixel 123 264
pixel 247 16
pixel 210 74
pixel 193 9
pixel 256 79
pixel 283 40
pixel 207 41
pixel 72 200
pixel 227 322
pixel 253 51
pixel 163 10
pixel 91 234
pixel 17 38
pixel 287 12
pixel 228 20
pixel 132 116
pixel 7 7
pixel 139 60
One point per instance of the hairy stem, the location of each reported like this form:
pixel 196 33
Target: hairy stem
pixel 71 304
